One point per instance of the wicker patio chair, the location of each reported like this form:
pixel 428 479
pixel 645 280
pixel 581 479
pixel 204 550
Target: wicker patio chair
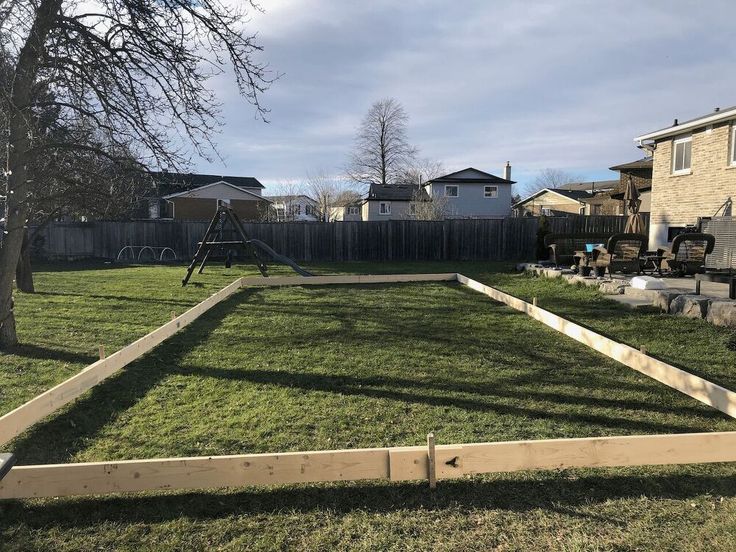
pixel 622 253
pixel 687 254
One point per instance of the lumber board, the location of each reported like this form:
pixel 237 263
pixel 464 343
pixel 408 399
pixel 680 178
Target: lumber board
pixel 16 421
pixel 395 464
pixel 694 386
pixel 346 279
pixel 93 478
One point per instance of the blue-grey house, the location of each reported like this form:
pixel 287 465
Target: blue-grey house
pixel 471 193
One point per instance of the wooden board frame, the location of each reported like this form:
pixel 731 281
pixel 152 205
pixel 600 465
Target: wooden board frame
pixel 392 464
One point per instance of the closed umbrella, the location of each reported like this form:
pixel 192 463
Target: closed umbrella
pixel 634 224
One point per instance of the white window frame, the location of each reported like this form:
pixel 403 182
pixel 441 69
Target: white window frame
pixel 457 188
pixel 675 143
pixel 493 192
pixel 387 210
pixel 733 144
pixel 353 210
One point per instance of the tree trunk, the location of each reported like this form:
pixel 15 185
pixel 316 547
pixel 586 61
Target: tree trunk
pixel 23 272
pixel 20 140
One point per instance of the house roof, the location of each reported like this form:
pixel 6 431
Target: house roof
pixel 715 116
pixel 174 182
pixel 483 178
pixel 573 195
pixel 601 185
pixel 238 188
pixel 395 192
pixel 644 163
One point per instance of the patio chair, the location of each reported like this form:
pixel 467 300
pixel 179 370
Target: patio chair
pixel 562 247
pixel 622 254
pixel 687 254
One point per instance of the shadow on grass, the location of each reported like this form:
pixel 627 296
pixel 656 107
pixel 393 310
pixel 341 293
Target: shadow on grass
pixel 120 298
pixel 71 428
pixel 396 390
pixel 45 353
pixel 552 492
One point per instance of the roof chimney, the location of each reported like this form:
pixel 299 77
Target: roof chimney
pixel 717 109
pixel 675 123
pixel 507 171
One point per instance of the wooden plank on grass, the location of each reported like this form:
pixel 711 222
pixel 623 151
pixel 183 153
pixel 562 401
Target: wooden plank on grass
pixel 194 473
pixel 685 382
pixel 396 464
pixel 16 421
pixel 346 279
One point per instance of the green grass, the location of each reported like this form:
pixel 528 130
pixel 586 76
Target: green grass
pixel 339 367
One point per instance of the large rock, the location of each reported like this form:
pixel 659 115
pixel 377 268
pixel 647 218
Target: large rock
pixel 644 294
pixel 691 306
pixel 663 298
pixel 722 312
pixel 590 281
pixel 613 287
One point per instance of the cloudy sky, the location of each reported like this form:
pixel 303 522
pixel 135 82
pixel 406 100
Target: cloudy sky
pixel 561 84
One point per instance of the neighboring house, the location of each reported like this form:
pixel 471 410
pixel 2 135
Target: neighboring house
pixel 694 172
pixel 347 212
pixel 551 202
pixel 599 201
pixel 196 195
pixel 294 208
pixel 640 172
pixel 390 202
pixel 471 193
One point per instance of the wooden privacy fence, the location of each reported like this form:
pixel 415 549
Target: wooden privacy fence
pixel 432 462
pixel 506 239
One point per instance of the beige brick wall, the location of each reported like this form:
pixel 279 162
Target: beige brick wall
pixel 678 200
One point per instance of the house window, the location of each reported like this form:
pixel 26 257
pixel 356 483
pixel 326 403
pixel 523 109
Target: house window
pixel 546 211
pixel 354 210
pixel 490 191
pixel 384 208
pixel 733 145
pixel 309 210
pixel 452 190
pixel 295 210
pixel 681 155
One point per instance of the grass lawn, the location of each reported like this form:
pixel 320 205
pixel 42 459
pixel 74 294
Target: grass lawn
pixel 341 367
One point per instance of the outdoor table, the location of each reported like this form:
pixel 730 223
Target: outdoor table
pixel 721 277
pixel 652 263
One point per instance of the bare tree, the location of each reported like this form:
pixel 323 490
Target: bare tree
pixel 135 71
pixel 424 207
pixel 550 178
pixel 329 192
pixel 420 171
pixel 382 150
pixel 287 200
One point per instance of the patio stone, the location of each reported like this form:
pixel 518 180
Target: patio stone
pixel 613 287
pixel 664 297
pixel 690 306
pixel 722 312
pixel 646 294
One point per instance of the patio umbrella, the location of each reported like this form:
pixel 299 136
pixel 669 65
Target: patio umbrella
pixel 634 224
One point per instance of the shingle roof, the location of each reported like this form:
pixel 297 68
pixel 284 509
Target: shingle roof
pixel 169 183
pixel 396 192
pixel 485 178
pixel 645 163
pixel 572 194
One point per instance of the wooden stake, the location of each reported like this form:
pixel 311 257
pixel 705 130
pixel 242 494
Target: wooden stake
pixel 643 349
pixel 102 351
pixel 173 315
pixel 431 461
pixel 534 301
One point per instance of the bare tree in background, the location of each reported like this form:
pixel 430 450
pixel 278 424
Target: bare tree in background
pixel 420 171
pixel 287 202
pixel 382 151
pixel 550 178
pixel 424 207
pixel 135 71
pixel 329 192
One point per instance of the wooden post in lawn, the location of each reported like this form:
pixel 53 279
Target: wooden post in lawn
pixel 431 461
pixel 173 315
pixel 101 351
pixel 534 301
pixel 643 349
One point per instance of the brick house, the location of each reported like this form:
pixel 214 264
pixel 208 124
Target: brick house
pixel 693 174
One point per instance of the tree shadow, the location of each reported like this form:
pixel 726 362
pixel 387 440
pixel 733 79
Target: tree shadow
pixel 44 353
pixel 547 491
pixel 69 430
